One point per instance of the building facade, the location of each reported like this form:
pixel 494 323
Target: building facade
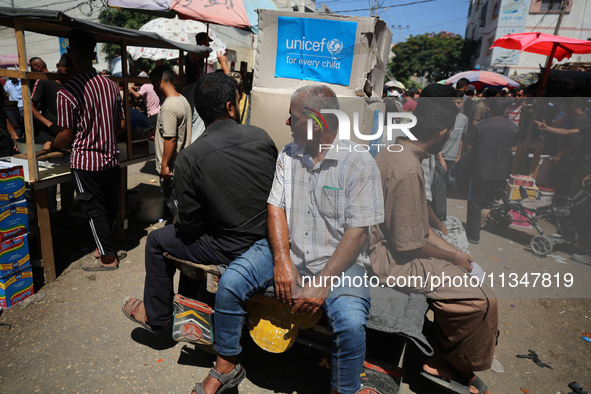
pixel 492 19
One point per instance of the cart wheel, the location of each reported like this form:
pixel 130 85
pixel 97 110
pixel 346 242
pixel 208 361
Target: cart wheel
pixel 541 245
pixel 488 224
pixel 505 219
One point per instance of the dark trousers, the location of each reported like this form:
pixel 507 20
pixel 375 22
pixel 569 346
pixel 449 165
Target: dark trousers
pixel 439 192
pixel 167 188
pixel 98 193
pixel 158 287
pixel 482 195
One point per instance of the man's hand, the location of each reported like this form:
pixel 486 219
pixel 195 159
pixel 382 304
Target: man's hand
pixel 47 146
pixel 310 299
pixel 541 125
pixel 586 179
pixel 284 274
pixel 556 159
pixel 463 260
pixel 165 172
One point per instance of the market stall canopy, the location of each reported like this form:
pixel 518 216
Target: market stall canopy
pixel 235 13
pixel 177 30
pixel 542 44
pixel 56 23
pixel 556 47
pixel 483 78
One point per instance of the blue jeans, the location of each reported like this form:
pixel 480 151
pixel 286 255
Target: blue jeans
pixel 251 273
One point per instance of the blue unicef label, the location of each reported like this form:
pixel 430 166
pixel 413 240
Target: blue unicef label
pixel 315 49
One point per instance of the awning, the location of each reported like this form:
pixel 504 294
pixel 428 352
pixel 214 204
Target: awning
pixel 56 23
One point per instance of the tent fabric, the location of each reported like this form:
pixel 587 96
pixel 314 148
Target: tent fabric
pixel 485 77
pixel 542 44
pixel 236 13
pixel 230 13
pixel 56 23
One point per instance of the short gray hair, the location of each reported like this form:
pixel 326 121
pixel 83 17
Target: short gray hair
pixel 319 97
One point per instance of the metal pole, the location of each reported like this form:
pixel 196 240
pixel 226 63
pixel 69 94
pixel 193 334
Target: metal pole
pixel 560 16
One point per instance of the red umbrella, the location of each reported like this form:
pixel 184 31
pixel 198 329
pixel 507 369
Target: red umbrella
pixel 544 44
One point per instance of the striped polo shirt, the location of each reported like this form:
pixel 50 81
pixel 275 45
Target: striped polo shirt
pixel 90 105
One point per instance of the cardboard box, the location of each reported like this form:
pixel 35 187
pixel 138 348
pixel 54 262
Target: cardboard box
pixel 14 220
pixel 514 193
pixel 12 183
pixel 522 180
pixel 298 49
pixel 270 111
pixel 16 287
pixel 14 255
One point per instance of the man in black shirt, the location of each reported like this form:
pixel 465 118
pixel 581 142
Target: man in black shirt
pixel 44 98
pixel 492 139
pixel 222 182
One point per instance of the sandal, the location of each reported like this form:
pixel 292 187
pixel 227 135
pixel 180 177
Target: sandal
pixel 96 265
pixel 455 386
pixel 130 309
pixel 121 254
pixel 479 385
pixel 228 380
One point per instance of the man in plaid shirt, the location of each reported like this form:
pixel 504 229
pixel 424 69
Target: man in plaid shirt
pixel 321 205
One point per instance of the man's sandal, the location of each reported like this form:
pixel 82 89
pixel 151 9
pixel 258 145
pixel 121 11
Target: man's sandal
pixel 228 380
pixel 121 254
pixel 457 386
pixel 132 308
pixel 96 265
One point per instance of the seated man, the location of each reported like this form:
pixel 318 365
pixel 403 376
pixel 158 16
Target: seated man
pixel 320 208
pixel 222 184
pixel 465 329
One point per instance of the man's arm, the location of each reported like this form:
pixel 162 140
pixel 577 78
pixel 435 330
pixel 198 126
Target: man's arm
pixel 434 221
pixel 283 269
pixel 168 152
pixel 135 94
pixel 63 139
pixel 310 298
pixel 121 127
pixel 556 130
pixel 437 247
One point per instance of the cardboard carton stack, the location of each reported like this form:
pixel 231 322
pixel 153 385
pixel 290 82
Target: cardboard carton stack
pixel 515 181
pixel 16 276
pixel 347 53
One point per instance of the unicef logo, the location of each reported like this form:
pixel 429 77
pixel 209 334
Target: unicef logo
pixel 334 46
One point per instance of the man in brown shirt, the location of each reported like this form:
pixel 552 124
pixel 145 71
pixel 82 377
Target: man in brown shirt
pixel 465 330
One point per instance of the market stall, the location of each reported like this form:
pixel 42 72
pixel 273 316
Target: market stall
pixel 39 177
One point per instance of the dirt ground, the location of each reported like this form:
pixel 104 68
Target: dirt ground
pixel 72 337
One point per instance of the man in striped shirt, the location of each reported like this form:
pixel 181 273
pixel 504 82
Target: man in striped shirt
pixel 90 116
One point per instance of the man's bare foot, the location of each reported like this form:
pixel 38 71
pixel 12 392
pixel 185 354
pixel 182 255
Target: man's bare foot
pixel 438 366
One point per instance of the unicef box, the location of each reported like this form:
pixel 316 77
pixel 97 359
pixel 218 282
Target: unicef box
pixel 12 183
pixel 14 255
pixel 14 220
pixel 295 49
pixel 16 287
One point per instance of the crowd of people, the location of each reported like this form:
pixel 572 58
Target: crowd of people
pixel 267 217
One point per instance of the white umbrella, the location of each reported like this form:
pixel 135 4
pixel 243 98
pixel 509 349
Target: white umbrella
pixel 179 30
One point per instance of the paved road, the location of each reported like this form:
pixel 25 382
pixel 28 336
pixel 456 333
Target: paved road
pixel 72 336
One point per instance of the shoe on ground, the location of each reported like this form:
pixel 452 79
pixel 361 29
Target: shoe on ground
pixel 581 258
pixel 473 241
